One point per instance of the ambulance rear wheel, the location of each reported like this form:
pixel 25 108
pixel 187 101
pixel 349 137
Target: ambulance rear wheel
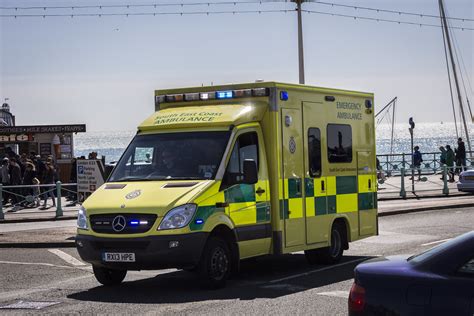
pixel 215 265
pixel 333 253
pixel 109 277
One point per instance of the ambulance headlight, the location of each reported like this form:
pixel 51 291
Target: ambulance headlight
pixel 82 218
pixel 178 217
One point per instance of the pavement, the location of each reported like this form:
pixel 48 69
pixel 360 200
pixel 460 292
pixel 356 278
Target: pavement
pixel 37 228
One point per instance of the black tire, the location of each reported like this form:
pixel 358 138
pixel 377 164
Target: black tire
pixel 333 253
pixel 215 265
pixel 109 277
pixel 312 256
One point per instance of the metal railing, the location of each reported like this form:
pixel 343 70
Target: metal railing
pixel 403 185
pixel 28 196
pixel 392 164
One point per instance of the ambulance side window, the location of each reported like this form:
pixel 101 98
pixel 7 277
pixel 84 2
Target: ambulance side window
pixel 314 151
pixel 339 137
pixel 246 147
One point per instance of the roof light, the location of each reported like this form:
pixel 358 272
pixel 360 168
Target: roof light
pixel 174 98
pixel 260 92
pixel 243 93
pixel 160 99
pixel 191 97
pixel 224 94
pixel 284 95
pixel 208 95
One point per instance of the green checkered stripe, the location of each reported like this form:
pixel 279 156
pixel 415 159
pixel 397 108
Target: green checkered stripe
pixel 293 193
pixel 236 194
pixel 327 204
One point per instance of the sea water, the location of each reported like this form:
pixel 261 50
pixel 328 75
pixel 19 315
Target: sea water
pixel 428 136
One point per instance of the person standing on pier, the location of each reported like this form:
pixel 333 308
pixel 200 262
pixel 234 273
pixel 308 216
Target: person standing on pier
pixel 450 162
pixel 417 160
pixel 460 156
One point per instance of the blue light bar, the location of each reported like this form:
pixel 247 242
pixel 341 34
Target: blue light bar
pixel 284 95
pixel 199 221
pixel 224 94
pixel 133 223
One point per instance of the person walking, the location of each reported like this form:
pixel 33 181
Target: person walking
pixel 442 158
pixel 5 174
pixel 460 156
pixel 49 179
pixel 417 160
pixel 450 162
pixel 28 176
pixel 15 179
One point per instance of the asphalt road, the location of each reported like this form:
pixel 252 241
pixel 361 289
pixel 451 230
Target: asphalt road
pixel 282 285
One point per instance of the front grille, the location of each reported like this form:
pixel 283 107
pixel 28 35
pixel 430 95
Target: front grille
pixel 134 223
pixel 120 245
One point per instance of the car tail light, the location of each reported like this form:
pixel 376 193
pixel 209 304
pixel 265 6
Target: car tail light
pixel 356 298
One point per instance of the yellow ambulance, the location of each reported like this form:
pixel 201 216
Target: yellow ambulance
pixel 223 173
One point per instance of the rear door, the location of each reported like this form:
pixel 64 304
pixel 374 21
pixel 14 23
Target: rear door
pixel 293 176
pixel 367 193
pixel 314 132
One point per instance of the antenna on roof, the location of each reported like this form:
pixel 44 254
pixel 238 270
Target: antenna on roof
pixel 259 80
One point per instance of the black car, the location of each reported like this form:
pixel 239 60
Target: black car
pixel 439 281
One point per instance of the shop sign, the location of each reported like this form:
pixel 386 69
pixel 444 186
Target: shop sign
pixel 14 138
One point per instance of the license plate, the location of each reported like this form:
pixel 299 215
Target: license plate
pixel 118 257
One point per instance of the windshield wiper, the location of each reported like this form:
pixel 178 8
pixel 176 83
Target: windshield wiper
pixel 132 179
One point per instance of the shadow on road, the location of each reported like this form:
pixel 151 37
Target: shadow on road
pixel 263 278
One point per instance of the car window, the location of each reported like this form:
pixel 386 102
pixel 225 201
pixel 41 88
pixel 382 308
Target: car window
pixel 468 267
pixel 433 252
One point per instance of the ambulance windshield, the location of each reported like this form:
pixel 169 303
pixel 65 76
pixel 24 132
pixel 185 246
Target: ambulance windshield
pixel 172 156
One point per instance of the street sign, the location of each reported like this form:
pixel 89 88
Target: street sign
pixel 90 176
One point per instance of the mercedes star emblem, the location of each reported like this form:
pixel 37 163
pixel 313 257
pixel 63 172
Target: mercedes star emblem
pixel 119 223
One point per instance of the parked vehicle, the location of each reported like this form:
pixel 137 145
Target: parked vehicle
pixel 439 281
pixel 220 174
pixel 466 181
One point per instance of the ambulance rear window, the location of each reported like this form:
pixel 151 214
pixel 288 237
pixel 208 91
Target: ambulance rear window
pixel 339 138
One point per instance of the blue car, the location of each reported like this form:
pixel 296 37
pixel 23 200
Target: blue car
pixel 439 281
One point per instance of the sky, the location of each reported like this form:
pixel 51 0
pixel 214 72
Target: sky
pixel 102 71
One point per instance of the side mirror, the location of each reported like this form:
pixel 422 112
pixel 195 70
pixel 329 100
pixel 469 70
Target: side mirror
pixel 250 172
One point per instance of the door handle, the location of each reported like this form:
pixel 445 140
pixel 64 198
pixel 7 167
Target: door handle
pixel 222 204
pixel 298 187
pixel 370 184
pixel 260 191
pixel 322 186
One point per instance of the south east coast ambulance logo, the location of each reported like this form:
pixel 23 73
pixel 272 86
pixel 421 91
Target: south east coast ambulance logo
pixel 133 194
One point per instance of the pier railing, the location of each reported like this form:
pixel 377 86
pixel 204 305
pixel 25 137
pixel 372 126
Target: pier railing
pixel 392 164
pixel 29 196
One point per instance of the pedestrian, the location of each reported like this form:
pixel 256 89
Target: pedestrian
pixel 417 160
pixel 36 192
pixel 49 179
pixel 460 156
pixel 450 162
pixel 5 174
pixel 442 158
pixel 15 179
pixel 28 176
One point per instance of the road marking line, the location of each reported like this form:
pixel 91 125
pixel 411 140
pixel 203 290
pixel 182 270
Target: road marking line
pixel 66 257
pixel 315 271
pixel 436 242
pixel 343 294
pixel 285 286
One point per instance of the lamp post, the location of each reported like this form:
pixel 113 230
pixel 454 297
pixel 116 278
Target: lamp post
pixel 412 127
pixel 300 41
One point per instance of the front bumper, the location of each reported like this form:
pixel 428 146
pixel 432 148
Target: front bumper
pixel 151 252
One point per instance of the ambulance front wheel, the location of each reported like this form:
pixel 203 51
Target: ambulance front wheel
pixel 109 277
pixel 215 265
